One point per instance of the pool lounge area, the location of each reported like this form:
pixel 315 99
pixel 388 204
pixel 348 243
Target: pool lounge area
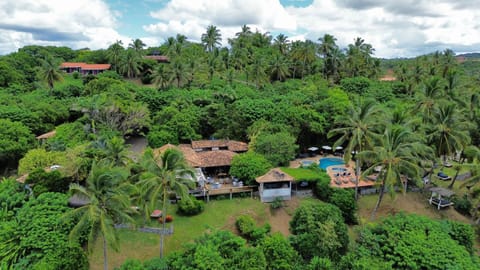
pixel 326 162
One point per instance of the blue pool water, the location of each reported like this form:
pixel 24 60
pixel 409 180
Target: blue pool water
pixel 327 162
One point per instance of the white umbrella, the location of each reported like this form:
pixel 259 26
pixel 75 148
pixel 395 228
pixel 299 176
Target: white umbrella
pixel 326 147
pixel 338 148
pixel 313 148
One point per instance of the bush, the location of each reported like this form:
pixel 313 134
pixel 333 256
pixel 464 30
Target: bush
pixel 247 227
pixel 318 230
pixel 463 205
pixel 277 203
pixel 344 199
pixel 190 207
pixel 249 165
pixel 322 188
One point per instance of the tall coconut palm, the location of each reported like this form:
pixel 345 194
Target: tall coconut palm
pixel 397 152
pixel 107 203
pixel 211 39
pixel 448 131
pixel 178 72
pixel 281 43
pixel 137 45
pixel 428 98
pixel 114 54
pixel 326 48
pixel 161 77
pixel 164 174
pixel 130 64
pixel 279 68
pixel 357 129
pixel 49 71
pixel 257 71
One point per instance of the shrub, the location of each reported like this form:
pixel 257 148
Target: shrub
pixel 322 188
pixel 247 227
pixel 76 75
pixel 463 205
pixel 318 230
pixel 245 224
pixel 277 203
pixel 190 207
pixel 344 199
pixel 249 165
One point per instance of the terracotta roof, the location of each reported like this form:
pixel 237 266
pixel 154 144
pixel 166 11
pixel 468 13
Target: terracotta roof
pixel 85 66
pixel 47 135
pixel 216 158
pixel 190 155
pixel 234 146
pixel 159 58
pixel 274 175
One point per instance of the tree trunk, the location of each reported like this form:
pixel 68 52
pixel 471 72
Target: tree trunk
pixel 454 179
pixel 357 177
pixel 105 262
pixel 164 219
pixel 380 197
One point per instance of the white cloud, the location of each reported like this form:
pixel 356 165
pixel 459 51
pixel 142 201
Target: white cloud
pixel 395 29
pixel 80 23
pixel 191 18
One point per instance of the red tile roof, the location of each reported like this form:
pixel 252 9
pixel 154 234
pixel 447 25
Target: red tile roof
pixel 85 66
pixel 234 146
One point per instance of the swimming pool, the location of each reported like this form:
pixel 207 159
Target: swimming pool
pixel 306 163
pixel 330 161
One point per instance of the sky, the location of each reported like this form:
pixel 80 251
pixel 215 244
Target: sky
pixel 395 28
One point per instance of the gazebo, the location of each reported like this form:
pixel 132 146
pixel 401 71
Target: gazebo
pixel 275 184
pixel 440 197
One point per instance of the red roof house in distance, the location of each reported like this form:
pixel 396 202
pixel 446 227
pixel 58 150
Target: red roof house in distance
pixel 84 68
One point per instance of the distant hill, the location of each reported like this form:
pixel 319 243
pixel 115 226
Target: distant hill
pixel 469 55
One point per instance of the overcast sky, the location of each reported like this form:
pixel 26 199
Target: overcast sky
pixel 395 28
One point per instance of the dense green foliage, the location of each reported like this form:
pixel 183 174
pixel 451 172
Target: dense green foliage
pixel 247 166
pixel 248 228
pixel 190 207
pixel 280 96
pixel 318 229
pixel 413 242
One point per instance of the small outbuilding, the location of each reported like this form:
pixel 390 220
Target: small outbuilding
pixel 275 184
pixel 441 197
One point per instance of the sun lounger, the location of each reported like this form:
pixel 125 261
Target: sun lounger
pixel 443 176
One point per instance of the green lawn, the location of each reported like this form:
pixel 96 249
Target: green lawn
pixel 301 173
pixel 217 215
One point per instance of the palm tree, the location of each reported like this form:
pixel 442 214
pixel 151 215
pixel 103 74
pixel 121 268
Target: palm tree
pixel 114 54
pixel 279 68
pixel 428 98
pixel 107 204
pixel 161 77
pixel 281 43
pixel 164 174
pixel 137 45
pixel 397 153
pixel 49 71
pixel 448 132
pixel 357 128
pixel 326 48
pixel 211 39
pixel 258 72
pixel 116 153
pixel 178 72
pixel 130 64
pixel 212 62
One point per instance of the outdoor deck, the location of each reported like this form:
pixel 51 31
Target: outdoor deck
pixel 223 189
pixel 346 181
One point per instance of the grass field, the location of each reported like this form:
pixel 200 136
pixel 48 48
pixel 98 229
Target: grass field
pixel 217 215
pixel 221 214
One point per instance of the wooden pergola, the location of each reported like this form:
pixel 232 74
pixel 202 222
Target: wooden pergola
pixel 440 197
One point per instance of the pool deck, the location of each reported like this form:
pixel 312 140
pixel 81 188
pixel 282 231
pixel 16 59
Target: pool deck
pixel 341 181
